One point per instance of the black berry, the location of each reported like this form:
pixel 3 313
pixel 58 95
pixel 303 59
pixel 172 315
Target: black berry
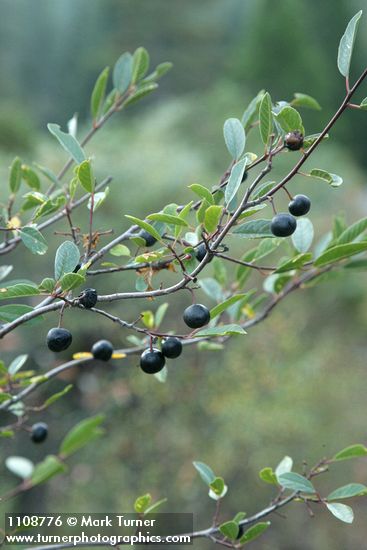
pixel 196 316
pixel 283 225
pixel 103 350
pixel 58 339
pixel 293 140
pixel 152 361
pixel 200 252
pixel 88 298
pixel 172 347
pixel 300 205
pixel 148 238
pixel 39 432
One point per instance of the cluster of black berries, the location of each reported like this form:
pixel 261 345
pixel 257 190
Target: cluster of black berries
pixel 153 360
pixel 284 224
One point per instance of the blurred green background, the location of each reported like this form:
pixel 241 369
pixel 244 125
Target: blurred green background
pixel 296 384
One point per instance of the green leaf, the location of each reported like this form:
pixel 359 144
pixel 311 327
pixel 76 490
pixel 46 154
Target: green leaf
pixel 48 468
pixel 99 199
pixel 57 396
pixel 267 475
pixel 217 310
pixel 5 397
pixel 85 176
pixel 160 313
pixel 346 45
pixel 142 503
pixel 310 139
pixel 49 207
pixel 235 180
pixel 15 175
pixel 66 259
pixel 234 137
pixel 122 72
pixel 212 288
pixel 331 179
pixel 153 507
pixel 98 94
pixel 47 285
pixel 144 225
pixel 363 104
pixel 17 364
pixel 263 189
pixel 303 236
pixel 221 330
pixel 140 64
pixel 141 92
pixel 304 100
pixel 217 488
pixel 205 472
pixel 353 451
pixel 168 218
pixel 239 516
pixel 295 482
pixel 70 281
pixel 352 232
pixel 33 240
pixel 339 252
pixel 20 466
pixel 341 511
pixel 348 491
pixel 266 118
pixel 229 529
pixel 12 311
pixel 47 173
pixel 5 270
pixel 68 142
pixel 251 111
pixel 161 376
pixel 31 178
pixel 294 263
pixel 289 120
pixel 254 531
pixel 120 250
pixel 7 433
pixel 18 290
pixel 212 217
pixel 284 466
pixel 203 192
pixel 159 71
pixel 81 434
pixel 148 318
pixel 254 229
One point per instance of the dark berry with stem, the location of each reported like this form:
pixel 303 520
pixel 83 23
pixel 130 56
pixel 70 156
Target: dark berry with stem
pixel 196 316
pixel 172 347
pixel 152 361
pixel 283 225
pixel 58 339
pixel 299 205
